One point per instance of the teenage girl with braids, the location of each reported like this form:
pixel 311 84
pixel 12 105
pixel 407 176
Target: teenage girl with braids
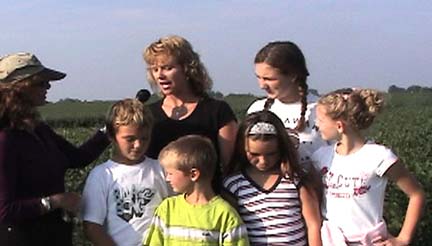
pixel 280 68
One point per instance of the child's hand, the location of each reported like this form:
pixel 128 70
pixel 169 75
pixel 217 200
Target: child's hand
pixel 392 241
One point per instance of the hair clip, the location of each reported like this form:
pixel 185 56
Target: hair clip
pixel 263 128
pixel 345 96
pixel 345 93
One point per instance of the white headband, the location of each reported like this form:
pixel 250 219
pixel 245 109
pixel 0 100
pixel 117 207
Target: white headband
pixel 263 128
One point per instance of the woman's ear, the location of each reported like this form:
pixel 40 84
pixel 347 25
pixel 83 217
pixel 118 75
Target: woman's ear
pixel 294 80
pixel 194 174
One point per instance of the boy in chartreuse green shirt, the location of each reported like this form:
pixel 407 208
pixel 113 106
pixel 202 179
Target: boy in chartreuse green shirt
pixel 198 216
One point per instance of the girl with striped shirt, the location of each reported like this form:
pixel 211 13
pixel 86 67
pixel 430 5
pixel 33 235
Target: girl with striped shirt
pixel 276 198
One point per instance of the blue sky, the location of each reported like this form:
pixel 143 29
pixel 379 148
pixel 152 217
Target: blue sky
pixel 99 43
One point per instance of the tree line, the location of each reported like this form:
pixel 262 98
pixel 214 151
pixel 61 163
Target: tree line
pixel 410 89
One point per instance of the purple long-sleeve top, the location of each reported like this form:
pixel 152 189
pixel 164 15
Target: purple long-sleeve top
pixel 33 165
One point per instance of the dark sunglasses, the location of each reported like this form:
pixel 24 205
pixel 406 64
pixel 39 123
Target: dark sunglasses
pixel 40 83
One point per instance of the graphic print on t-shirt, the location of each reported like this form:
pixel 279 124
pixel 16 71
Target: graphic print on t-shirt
pixel 301 141
pixel 344 186
pixel 131 201
pixel 294 134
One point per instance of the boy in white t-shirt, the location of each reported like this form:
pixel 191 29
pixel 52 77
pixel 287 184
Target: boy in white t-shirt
pixel 120 195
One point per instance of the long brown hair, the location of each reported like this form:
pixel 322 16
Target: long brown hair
pixel 16 109
pixel 289 163
pixel 287 57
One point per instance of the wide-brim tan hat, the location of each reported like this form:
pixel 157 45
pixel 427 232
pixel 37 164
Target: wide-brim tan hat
pixel 19 66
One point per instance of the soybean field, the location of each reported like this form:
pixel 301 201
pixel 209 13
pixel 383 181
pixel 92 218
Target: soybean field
pixel 405 126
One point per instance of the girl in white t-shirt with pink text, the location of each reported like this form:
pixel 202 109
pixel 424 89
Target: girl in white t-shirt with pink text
pixel 355 173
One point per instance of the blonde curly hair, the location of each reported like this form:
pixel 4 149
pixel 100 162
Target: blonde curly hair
pixel 357 107
pixel 180 49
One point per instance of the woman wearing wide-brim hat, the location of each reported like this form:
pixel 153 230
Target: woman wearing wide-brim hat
pixel 34 159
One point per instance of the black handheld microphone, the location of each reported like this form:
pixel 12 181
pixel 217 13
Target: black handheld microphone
pixel 143 95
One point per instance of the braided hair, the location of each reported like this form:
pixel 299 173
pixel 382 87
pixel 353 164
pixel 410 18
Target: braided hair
pixel 287 57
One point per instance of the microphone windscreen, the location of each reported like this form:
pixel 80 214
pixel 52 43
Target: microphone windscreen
pixel 143 95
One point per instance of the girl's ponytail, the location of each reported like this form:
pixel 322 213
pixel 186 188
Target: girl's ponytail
pixel 366 105
pixel 358 107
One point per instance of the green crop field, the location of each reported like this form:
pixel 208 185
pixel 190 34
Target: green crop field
pixel 405 126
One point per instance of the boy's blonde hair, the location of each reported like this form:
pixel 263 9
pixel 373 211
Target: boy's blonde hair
pixel 128 112
pixel 191 151
pixel 357 107
pixel 181 50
